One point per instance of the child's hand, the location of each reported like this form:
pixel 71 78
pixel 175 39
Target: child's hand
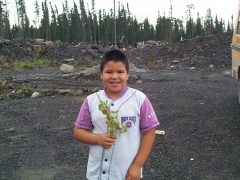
pixel 133 173
pixel 106 140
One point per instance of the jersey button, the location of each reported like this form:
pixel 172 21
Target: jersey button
pixel 112 104
pixel 105 159
pixel 104 172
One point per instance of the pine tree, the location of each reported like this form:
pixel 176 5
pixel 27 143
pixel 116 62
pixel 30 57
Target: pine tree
pixel 21 10
pixel 199 27
pixel 1 20
pixel 177 30
pixel 53 25
pixel 36 20
pixel 208 23
pixel 75 30
pixel 83 20
pixel 7 32
pixel 45 34
pixel 26 27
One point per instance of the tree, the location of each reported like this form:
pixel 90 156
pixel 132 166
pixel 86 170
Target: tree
pixel 199 27
pixel 190 23
pixel 53 25
pixel 177 30
pixel 45 21
pixel 1 20
pixel 36 20
pixel 26 27
pixel 83 20
pixel 208 23
pixel 21 10
pixel 7 28
pixel 75 29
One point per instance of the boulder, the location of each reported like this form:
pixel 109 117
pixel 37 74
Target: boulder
pixel 48 43
pixel 37 48
pixel 66 69
pixel 39 40
pixel 35 95
pixel 151 42
pixel 78 92
pixel 92 70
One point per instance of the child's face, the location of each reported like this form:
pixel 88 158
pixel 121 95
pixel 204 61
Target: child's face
pixel 114 78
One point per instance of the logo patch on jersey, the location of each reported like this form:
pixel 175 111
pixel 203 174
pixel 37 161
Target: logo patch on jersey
pixel 128 121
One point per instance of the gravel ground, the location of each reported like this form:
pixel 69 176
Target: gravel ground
pixel 198 109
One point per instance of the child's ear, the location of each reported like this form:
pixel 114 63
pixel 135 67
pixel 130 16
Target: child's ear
pixel 101 76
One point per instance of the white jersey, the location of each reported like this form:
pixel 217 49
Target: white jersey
pixel 135 112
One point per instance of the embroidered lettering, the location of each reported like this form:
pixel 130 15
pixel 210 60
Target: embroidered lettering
pixel 132 118
pixel 123 119
pixel 128 121
pixel 151 115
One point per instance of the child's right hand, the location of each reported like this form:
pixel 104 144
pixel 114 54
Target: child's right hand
pixel 106 140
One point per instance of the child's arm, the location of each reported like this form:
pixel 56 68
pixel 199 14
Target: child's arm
pixel 134 171
pixel 83 135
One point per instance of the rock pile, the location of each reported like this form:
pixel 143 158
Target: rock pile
pixel 199 52
pixel 58 52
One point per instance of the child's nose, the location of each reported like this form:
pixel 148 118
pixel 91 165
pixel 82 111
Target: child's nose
pixel 114 76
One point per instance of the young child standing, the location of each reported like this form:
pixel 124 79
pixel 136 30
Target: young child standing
pixel 116 157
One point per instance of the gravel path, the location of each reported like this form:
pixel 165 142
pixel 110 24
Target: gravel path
pixel 198 110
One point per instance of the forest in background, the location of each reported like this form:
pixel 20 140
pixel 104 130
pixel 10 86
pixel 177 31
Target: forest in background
pixel 83 24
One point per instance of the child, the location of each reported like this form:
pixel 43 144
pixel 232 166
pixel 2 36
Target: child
pixel 116 157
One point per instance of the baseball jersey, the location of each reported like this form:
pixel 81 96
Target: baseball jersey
pixel 135 112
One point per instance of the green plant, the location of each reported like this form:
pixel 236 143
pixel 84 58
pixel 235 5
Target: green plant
pixel 29 65
pixel 24 88
pixel 44 62
pixel 18 69
pixel 113 124
pixel 82 67
pixel 19 64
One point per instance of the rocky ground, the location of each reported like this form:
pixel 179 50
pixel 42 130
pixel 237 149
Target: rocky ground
pixel 189 84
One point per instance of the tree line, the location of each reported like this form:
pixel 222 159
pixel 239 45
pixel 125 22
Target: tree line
pixel 85 24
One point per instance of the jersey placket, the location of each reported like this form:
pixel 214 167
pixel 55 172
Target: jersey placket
pixel 107 155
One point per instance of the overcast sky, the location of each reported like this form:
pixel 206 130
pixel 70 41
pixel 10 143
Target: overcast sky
pixel 146 8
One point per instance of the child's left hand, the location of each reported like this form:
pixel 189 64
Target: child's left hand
pixel 134 173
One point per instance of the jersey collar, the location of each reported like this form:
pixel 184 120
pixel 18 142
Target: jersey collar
pixel 120 95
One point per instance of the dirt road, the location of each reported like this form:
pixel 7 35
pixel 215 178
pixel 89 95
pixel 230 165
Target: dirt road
pixel 197 109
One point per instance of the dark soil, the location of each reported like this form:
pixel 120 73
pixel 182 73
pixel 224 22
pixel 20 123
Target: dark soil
pixel 198 109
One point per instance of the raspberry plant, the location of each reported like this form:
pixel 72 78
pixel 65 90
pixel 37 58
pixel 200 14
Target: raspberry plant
pixel 113 124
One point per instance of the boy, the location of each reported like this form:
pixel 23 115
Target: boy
pixel 116 157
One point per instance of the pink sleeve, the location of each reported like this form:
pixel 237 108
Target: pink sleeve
pixel 148 117
pixel 84 117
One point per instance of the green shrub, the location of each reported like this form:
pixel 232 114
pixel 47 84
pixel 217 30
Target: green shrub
pixel 19 65
pixel 24 88
pixel 46 62
pixel 18 69
pixel 82 67
pixel 29 65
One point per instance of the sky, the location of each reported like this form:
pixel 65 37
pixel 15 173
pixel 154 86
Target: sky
pixel 145 8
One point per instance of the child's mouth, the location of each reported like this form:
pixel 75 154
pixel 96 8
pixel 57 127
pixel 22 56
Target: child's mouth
pixel 115 83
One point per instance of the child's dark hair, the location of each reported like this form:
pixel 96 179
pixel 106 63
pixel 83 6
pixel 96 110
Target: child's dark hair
pixel 116 56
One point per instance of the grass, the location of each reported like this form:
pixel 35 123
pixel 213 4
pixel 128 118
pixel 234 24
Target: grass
pixel 82 67
pixel 20 65
pixel 24 88
pixel 42 62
